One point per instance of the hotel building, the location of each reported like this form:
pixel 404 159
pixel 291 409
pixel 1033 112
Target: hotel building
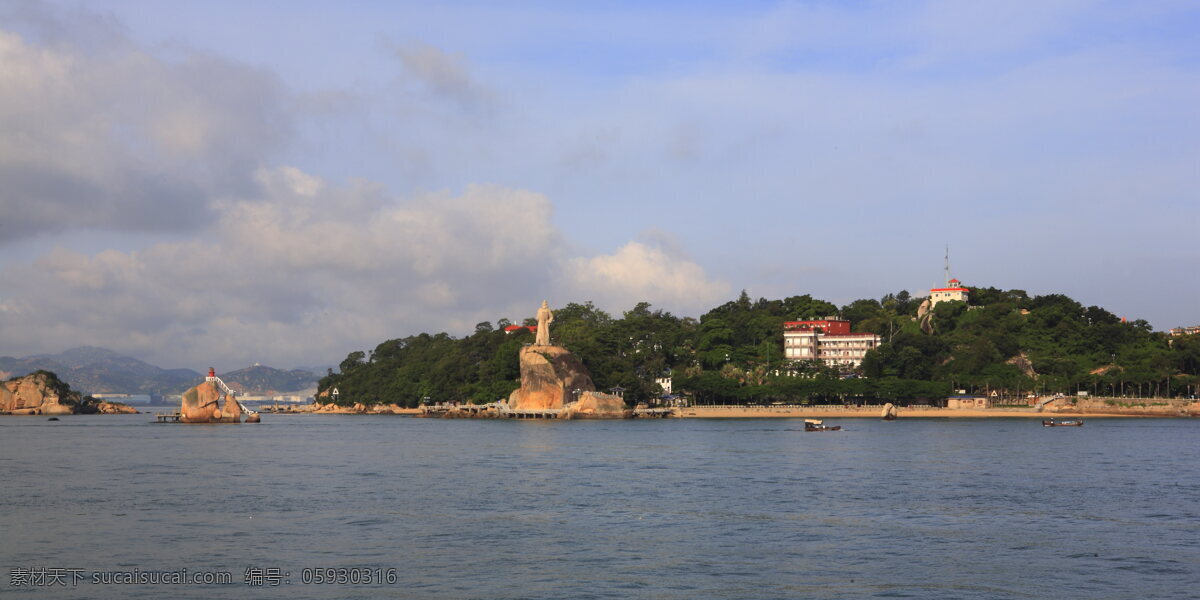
pixel 828 340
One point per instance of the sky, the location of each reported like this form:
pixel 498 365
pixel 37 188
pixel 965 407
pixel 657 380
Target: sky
pixel 223 183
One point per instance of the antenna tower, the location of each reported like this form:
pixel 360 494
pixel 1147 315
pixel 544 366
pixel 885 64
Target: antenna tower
pixel 947 265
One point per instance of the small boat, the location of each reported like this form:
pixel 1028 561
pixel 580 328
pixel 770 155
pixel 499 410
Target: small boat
pixel 52 419
pixel 818 425
pixel 1063 423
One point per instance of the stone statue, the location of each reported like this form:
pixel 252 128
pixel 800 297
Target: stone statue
pixel 544 318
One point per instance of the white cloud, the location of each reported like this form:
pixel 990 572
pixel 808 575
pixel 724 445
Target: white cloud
pixel 640 272
pixel 302 272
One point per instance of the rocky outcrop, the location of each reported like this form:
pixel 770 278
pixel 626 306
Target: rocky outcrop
pixel 357 408
pixel 925 316
pixel 203 404
pixel 595 405
pixel 1022 362
pixel 549 377
pixel 114 408
pixel 39 393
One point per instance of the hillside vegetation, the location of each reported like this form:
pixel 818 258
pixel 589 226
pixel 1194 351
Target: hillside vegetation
pixel 1005 341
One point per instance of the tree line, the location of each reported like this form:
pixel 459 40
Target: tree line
pixel 1004 341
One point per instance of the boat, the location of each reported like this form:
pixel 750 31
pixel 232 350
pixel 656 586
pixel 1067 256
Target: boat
pixel 819 425
pixel 1063 423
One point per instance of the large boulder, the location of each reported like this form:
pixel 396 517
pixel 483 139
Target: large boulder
pixel 597 405
pixel 232 411
pixel 889 411
pixel 202 404
pixel 549 377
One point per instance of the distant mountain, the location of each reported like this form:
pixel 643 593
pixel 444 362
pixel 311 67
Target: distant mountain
pixel 319 371
pixel 264 380
pixel 99 370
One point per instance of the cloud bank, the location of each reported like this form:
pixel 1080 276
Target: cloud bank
pixel 112 137
pixel 303 271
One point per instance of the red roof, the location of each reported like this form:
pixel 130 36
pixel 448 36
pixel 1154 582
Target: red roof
pixel 951 289
pixel 512 328
pixel 826 325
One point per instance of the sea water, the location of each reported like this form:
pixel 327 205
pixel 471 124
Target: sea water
pixel 745 508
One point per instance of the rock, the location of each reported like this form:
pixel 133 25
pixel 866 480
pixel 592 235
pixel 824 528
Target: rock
pixel 925 316
pixel 595 405
pixel 37 394
pixel 201 404
pixel 549 377
pixel 889 411
pixel 1022 362
pixel 115 408
pixel 232 411
pixel 253 418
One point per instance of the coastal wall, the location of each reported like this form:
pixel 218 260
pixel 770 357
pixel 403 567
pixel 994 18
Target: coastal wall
pixel 1091 407
pixel 1144 407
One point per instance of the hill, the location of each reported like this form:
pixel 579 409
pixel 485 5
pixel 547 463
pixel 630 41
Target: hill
pixel 99 371
pixel 1004 341
pixel 260 379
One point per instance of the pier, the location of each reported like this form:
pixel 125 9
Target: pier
pixel 166 417
pixel 493 410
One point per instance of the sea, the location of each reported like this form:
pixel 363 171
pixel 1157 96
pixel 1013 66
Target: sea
pixel 349 506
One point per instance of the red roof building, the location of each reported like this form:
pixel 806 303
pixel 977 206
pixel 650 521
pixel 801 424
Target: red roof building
pixel 516 328
pixel 828 340
pixel 954 291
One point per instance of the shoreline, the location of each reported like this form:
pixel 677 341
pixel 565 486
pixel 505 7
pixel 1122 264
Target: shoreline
pixel 1084 410
pixel 721 412
pixel 851 412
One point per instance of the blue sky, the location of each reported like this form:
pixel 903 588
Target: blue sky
pixel 339 174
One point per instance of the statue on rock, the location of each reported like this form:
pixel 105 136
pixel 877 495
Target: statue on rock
pixel 554 378
pixel 549 377
pixel 544 319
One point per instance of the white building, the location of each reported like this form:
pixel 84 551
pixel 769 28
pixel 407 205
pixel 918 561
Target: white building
pixel 953 291
pixel 664 383
pixel 828 340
